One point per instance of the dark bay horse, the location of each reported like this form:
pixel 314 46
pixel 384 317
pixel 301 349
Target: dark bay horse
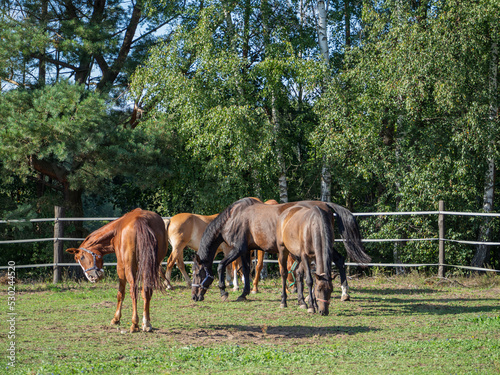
pixel 185 230
pixel 138 240
pixel 249 225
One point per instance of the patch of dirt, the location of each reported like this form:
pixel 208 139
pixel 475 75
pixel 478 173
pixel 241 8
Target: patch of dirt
pixel 106 304
pixel 244 335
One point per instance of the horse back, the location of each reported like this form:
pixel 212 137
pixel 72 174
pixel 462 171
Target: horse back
pixel 127 230
pixel 256 225
pixel 301 228
pixel 186 229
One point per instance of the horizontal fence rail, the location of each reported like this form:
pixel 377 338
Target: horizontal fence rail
pixel 442 240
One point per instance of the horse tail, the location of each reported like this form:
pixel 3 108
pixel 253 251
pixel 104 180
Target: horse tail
pixel 148 264
pixel 326 239
pixel 167 224
pixel 349 231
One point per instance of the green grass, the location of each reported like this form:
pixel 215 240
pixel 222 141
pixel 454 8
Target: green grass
pixel 409 325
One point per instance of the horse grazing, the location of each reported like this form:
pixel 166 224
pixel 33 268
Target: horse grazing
pixel 138 240
pixel 249 225
pixel 307 234
pixel 185 230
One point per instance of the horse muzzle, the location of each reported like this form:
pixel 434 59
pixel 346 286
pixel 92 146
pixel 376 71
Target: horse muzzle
pixel 197 297
pixel 94 275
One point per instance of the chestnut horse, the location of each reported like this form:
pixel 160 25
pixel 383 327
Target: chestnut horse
pixel 186 229
pixel 249 225
pixel 138 240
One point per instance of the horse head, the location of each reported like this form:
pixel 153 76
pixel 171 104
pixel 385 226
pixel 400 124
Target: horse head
pixel 90 261
pixel 202 279
pixel 323 292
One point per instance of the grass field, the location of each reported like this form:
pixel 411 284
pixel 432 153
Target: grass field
pixel 408 324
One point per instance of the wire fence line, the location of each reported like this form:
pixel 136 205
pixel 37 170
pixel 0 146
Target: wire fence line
pixel 442 240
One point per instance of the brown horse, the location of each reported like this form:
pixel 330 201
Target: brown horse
pixel 138 240
pixel 307 234
pixel 247 225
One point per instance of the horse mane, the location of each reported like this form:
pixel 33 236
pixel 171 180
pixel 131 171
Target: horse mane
pixel 212 237
pixel 102 236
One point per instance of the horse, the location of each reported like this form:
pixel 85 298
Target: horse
pixel 138 240
pixel 248 225
pixel 307 233
pixel 186 229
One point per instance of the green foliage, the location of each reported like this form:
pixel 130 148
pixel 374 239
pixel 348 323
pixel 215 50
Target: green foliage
pixel 409 117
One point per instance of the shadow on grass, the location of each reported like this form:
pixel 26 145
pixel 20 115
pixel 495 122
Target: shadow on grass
pixel 293 332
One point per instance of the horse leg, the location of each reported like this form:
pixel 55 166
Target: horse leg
pixel 120 298
pixel 299 284
pixel 340 263
pixel 166 281
pixel 177 257
pixel 245 265
pixel 234 274
pixel 147 293
pixel 282 257
pixel 131 274
pixel 309 280
pixel 258 270
pixel 221 270
pixel 292 266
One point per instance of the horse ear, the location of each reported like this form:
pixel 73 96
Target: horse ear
pixel 72 250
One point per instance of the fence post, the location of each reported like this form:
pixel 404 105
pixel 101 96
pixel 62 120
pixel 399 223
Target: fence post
pixel 58 244
pixel 441 239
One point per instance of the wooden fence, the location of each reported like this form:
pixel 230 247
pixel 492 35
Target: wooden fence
pixel 59 239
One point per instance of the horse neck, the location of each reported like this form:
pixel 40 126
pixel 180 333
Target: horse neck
pixel 102 238
pixel 208 250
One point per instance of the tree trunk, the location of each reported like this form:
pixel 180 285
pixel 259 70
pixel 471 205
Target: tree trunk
pixel 322 31
pixel 275 119
pixel 326 177
pixel 347 15
pixel 482 254
pixel 326 183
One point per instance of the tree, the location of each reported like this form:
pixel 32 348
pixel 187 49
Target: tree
pixel 68 133
pixel 228 90
pixel 409 117
pixel 95 45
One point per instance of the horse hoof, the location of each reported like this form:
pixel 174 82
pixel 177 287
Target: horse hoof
pixel 345 297
pixel 302 306
pixel 224 297
pixel 134 328
pixel 115 322
pixel 311 310
pixel 235 289
pixel 170 287
pixel 254 291
pixel 241 298
pixel 283 305
pixel 147 328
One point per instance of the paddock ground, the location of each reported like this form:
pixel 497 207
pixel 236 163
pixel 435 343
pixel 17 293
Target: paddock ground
pixel 407 324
